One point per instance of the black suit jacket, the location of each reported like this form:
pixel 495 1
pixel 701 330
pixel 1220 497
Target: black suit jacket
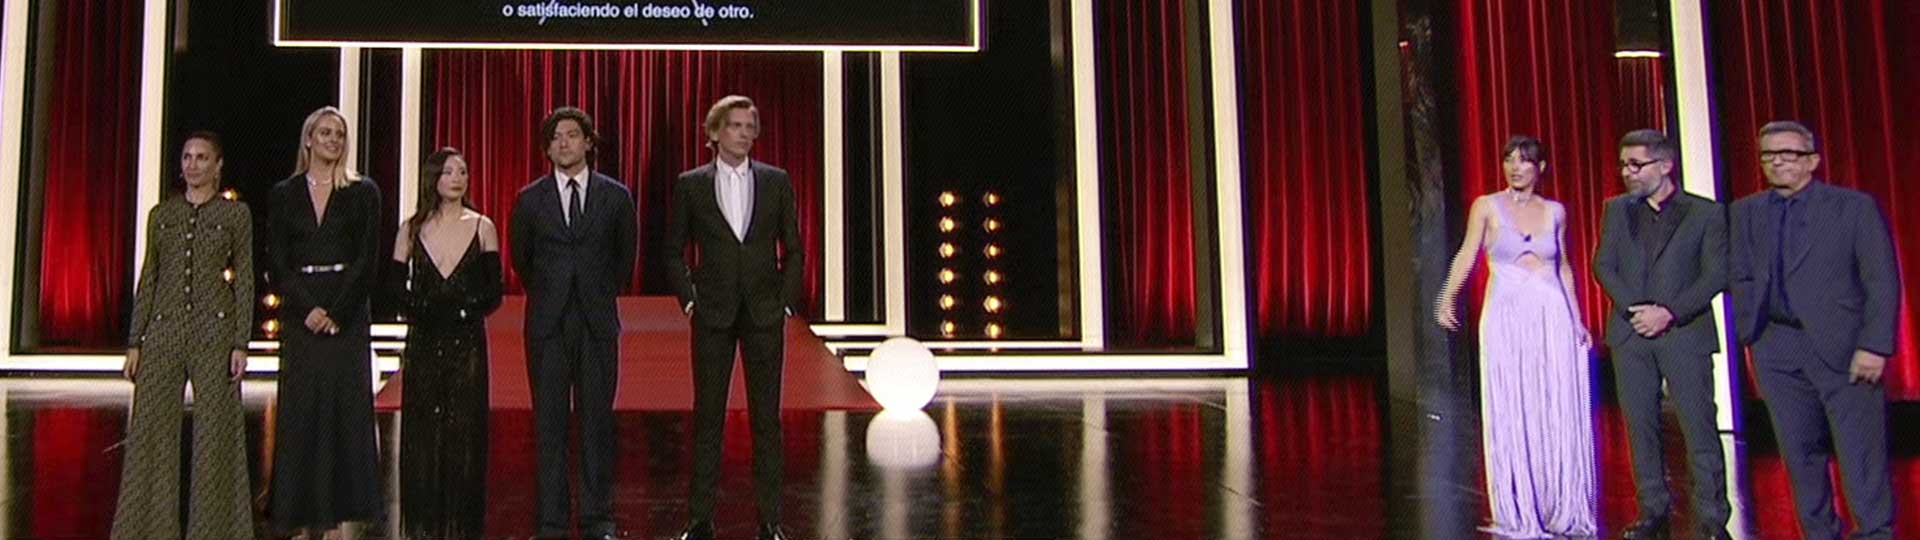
pixel 761 273
pixel 1844 281
pixel 590 262
pixel 1688 269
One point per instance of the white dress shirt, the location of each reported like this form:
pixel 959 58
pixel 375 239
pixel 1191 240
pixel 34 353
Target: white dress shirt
pixel 733 190
pixel 561 182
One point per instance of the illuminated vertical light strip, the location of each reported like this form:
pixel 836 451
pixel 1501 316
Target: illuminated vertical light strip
pixel 6 463
pixel 948 250
pixel 1226 183
pixel 13 84
pixel 153 105
pixel 1086 171
pixel 833 257
pixel 831 521
pixel 893 193
pixel 350 102
pixel 1096 503
pixel 1236 470
pixel 410 135
pixel 1694 102
pixel 1730 449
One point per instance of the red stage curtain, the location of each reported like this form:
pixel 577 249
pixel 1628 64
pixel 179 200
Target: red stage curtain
pixel 1146 164
pixel 86 260
pixel 69 476
pixel 649 108
pixel 1304 146
pixel 1321 458
pixel 1544 69
pixel 1847 69
pixel 1643 93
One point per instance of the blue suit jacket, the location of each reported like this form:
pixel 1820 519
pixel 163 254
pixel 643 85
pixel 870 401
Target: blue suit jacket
pixel 1843 279
pixel 590 262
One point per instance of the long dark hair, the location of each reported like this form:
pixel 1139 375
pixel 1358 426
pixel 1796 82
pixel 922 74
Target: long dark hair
pixel 429 200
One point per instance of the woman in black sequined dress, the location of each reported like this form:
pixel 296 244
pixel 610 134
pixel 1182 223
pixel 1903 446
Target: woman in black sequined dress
pixel 446 273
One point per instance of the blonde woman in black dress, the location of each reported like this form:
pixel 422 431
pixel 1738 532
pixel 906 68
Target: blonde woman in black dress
pixel 190 323
pixel 446 272
pixel 321 239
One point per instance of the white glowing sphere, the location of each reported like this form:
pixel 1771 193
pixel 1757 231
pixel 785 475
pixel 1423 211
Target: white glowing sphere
pixel 902 375
pixel 903 439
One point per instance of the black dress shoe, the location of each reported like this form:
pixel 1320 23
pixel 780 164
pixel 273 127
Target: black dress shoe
pixel 1654 528
pixel 698 530
pixel 771 531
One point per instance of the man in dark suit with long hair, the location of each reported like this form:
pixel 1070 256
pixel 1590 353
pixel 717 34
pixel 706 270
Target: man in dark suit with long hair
pixel 741 218
pixel 572 235
pixel 1816 294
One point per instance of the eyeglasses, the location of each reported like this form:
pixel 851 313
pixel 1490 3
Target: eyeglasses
pixel 1785 156
pixel 1633 167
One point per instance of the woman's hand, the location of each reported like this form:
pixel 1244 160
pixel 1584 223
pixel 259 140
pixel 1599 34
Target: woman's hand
pixel 237 365
pixel 131 368
pixel 1444 313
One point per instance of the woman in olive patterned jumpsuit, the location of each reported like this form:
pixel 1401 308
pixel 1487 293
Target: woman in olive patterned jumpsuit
pixel 192 316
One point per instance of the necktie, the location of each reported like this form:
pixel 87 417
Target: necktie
pixel 573 202
pixel 1780 248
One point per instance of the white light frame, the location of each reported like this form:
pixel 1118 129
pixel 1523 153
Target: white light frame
pixel 1693 81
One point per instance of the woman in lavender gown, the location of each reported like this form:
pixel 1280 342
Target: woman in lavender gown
pixel 1535 405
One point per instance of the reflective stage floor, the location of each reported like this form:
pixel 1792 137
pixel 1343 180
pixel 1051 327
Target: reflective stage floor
pixel 1328 456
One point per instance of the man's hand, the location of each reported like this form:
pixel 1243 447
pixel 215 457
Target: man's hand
pixel 1867 367
pixel 1651 320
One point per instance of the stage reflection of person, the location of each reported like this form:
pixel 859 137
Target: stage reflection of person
pixel 572 243
pixel 322 236
pixel 740 216
pixel 445 272
pixel 190 324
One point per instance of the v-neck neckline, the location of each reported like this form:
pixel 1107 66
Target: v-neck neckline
pixel 421 242
pixel 320 216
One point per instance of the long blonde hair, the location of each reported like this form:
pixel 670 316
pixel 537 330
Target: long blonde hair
pixel 343 175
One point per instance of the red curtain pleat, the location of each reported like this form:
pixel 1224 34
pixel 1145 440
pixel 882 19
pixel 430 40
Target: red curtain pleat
pixel 1304 149
pixel 1643 93
pixel 1147 170
pixel 86 249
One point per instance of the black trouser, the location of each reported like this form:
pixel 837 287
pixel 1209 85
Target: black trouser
pixel 574 369
pixel 1638 367
pixel 763 353
pixel 1812 405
